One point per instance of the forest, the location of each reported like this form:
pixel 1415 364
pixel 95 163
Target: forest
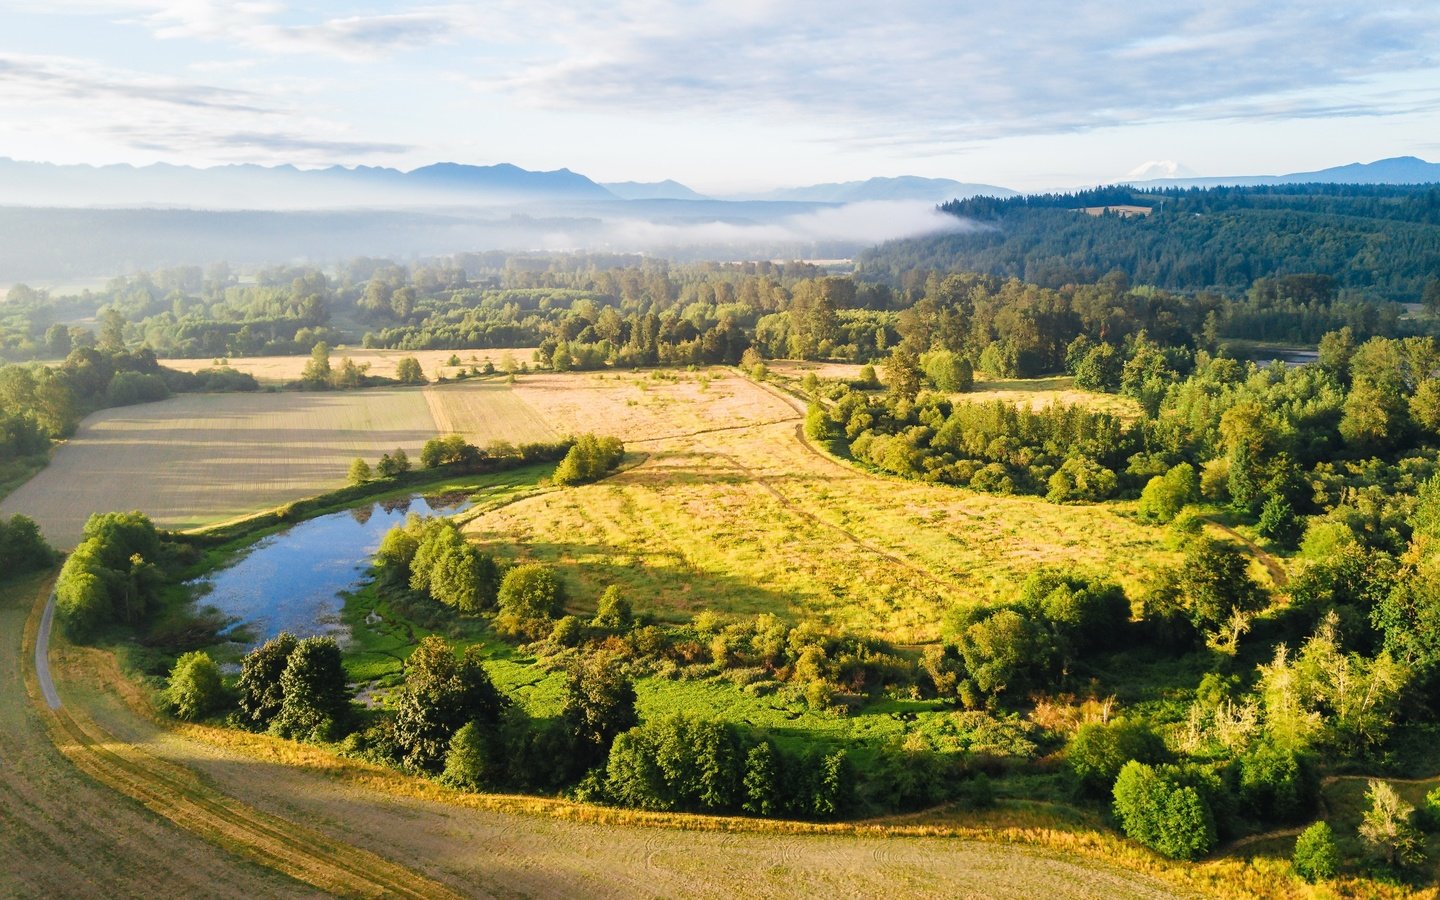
pixel 1379 240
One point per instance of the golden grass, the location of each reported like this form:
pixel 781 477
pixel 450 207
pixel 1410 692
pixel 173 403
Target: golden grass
pixel 282 369
pixel 486 411
pixel 195 459
pixel 748 518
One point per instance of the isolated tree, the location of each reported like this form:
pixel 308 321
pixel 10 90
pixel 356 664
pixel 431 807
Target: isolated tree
pixel 317 371
pixel 316 698
pixel 359 471
pixel 531 591
pixel 613 612
pixel 408 371
pixel 1387 827
pixel 259 686
pixel 195 686
pixel 1316 858
pixel 401 460
pixel 599 704
pixel 441 694
pixel 1159 808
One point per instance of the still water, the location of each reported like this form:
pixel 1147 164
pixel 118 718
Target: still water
pixel 291 581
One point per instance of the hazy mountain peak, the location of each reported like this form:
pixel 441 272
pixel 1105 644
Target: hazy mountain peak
pixel 669 189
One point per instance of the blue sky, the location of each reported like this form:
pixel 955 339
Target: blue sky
pixel 733 96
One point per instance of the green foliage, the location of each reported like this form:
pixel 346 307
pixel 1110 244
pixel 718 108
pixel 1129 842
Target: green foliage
pixel 948 371
pixel 1098 752
pixel 613 612
pixel 1277 784
pixel 441 695
pixel 261 695
pixel 761 783
pixel 1387 827
pixel 1278 521
pixel 1080 479
pixel 108 577
pixel 1163 809
pixel 1316 857
pixel 599 704
pixel 195 687
pixel 22 547
pixel 530 597
pixel 589 459
pixel 1165 495
pixel 315 699
pixel 1100 369
pixel 359 471
pixel 677 762
pixel 408 371
pixel 818 424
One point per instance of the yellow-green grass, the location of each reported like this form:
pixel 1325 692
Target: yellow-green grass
pixel 484 411
pixel 1038 393
pixel 196 459
pixel 748 519
pixel 282 369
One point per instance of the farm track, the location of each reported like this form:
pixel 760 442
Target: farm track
pixel 1271 564
pixel 181 797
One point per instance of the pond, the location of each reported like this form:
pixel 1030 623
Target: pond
pixel 292 581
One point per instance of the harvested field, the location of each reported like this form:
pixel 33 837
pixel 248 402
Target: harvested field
pixel 485 411
pixel 745 519
pixel 281 369
pixel 195 459
pixel 644 407
pixel 64 835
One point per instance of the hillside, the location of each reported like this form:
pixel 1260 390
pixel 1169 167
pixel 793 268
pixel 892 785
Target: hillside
pixel 1383 240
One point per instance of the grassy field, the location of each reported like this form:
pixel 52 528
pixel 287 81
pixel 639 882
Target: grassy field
pixel 731 510
pixel 281 369
pixel 485 411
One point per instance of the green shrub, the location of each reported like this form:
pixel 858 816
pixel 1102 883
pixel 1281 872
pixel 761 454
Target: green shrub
pixel 1098 752
pixel 195 687
pixel 1163 809
pixel 1316 857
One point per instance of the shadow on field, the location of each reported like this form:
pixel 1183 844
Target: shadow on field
pixel 659 582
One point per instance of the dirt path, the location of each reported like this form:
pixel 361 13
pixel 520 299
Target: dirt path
pixel 176 794
pixel 1271 564
pixel 64 835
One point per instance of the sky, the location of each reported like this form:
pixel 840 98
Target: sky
pixel 727 97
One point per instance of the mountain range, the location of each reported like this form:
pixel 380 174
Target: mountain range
pixel 1395 170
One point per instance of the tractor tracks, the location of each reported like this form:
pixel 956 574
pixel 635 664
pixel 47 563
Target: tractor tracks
pixel 180 796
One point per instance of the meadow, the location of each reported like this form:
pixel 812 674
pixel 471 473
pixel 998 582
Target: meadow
pixel 729 509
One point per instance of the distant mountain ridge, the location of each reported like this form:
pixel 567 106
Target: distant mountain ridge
pixel 285 187
pixel 1394 170
pixel 669 189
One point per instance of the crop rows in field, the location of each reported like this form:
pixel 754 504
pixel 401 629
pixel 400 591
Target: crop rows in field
pixel 201 458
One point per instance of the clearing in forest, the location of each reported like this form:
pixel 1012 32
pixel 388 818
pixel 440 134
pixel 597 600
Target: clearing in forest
pixel 731 510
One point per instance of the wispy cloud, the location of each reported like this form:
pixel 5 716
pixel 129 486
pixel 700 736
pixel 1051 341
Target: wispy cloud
pixel 25 79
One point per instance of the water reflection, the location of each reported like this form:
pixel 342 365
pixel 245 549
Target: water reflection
pixel 292 581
